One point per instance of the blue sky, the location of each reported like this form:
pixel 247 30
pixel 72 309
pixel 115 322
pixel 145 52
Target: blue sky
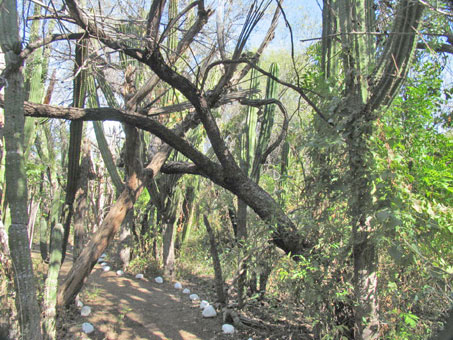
pixel 304 17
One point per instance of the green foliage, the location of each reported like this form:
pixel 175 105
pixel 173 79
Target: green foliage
pixel 413 186
pixel 144 264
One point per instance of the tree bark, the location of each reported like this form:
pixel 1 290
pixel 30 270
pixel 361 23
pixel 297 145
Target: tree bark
pixel 235 181
pixel 364 249
pixel 43 238
pixel 125 245
pixel 216 262
pixel 241 238
pixel 15 176
pixel 109 227
pixel 75 142
pixel 169 248
pixel 81 197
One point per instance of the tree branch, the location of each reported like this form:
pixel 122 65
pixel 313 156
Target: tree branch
pixel 154 17
pixel 180 168
pixel 30 48
pixel 225 99
pixel 284 130
pixel 442 48
pixel 298 89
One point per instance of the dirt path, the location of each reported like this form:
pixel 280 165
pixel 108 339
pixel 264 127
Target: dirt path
pixel 123 307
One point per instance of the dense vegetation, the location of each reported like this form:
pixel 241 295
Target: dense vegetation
pixel 324 170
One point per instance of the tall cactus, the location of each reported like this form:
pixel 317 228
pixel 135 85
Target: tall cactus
pixel 173 35
pixel 75 140
pixel 93 101
pixel 284 162
pixel 50 295
pixel 248 138
pixel 252 151
pixel 15 176
pixel 267 123
pixel 33 81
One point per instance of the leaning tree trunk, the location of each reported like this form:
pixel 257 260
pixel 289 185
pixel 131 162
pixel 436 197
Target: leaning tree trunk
pixel 15 176
pixel 109 227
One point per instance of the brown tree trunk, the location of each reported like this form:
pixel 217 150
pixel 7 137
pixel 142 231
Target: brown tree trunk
pixel 363 246
pixel 125 245
pixel 169 248
pixel 110 226
pixel 90 254
pixel 81 198
pixel 241 239
pixel 216 262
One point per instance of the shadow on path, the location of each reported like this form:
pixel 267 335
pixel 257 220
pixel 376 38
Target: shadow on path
pixel 124 308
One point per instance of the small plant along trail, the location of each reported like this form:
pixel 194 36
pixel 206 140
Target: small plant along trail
pixel 123 307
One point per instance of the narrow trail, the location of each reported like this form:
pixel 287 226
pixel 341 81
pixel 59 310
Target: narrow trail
pixel 124 308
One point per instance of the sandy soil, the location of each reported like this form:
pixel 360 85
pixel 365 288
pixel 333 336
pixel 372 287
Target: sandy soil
pixel 123 307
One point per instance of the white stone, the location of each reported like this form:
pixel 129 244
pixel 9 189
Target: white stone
pixel 79 303
pixel 227 328
pixel 86 310
pixel 194 297
pixel 159 279
pixel 178 285
pixel 103 255
pixel 119 272
pixel 139 276
pixel 87 328
pixel 186 291
pixel 204 304
pixel 209 312
pixel 103 264
pixel 106 268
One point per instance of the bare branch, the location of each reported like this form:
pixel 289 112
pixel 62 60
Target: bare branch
pixel 442 48
pixel 183 44
pixel 298 89
pixel 90 26
pixel 154 18
pixel 173 21
pixel 30 48
pixel 180 168
pixel 228 98
pixel 266 41
pixel 220 29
